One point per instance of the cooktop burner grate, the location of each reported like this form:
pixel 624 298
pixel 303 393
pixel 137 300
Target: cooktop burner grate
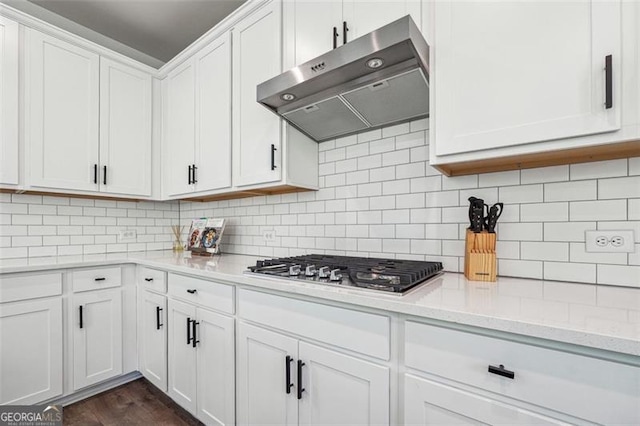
pixel 390 275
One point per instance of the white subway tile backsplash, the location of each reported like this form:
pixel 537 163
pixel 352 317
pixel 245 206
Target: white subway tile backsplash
pixel 544 175
pixel 599 169
pixel 520 231
pixel 520 268
pixel 570 191
pixel 545 212
pixel 557 252
pixel 410 140
pixel 598 210
pixel 634 166
pixel 619 275
pixel 398 129
pixel 499 179
pixel 559 271
pixel 521 194
pixel 567 231
pixel 627 187
pixel 459 182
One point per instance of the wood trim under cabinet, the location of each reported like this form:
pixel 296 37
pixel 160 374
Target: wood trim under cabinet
pixel 543 159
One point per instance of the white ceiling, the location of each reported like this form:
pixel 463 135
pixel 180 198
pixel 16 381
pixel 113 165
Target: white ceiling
pixel 158 28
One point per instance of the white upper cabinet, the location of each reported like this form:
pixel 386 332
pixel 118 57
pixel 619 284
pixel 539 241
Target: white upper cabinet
pixel 362 17
pixel 9 163
pixel 257 57
pixel 315 23
pixel 515 73
pixel 125 129
pixel 213 115
pixel 198 121
pixel 179 137
pixel 320 25
pixel 61 114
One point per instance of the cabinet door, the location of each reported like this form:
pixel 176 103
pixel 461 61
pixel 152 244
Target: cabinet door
pixel 431 403
pixel 125 129
pixel 213 115
pixel 61 114
pixel 314 21
pixel 153 338
pixel 362 17
pixel 30 351
pixel 519 83
pixel 216 368
pixel 262 374
pixel 97 336
pixel 8 101
pixel 179 134
pixel 340 389
pixel 257 57
pixel 182 355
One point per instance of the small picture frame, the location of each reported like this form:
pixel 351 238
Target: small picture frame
pixel 205 236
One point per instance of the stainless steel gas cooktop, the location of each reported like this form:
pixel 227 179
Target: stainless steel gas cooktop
pixel 394 276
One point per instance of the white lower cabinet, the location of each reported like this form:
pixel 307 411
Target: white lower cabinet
pixel 201 362
pixel 431 403
pixel 30 350
pixel 285 381
pixel 97 336
pixel 152 338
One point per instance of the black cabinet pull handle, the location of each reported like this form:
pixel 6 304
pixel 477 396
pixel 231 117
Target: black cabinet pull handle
pixel 192 291
pixel 608 72
pixel 300 388
pixel 335 37
pixel 80 309
pixel 158 323
pixel 100 279
pixel 194 339
pixel 189 175
pixel 188 331
pixel 501 371
pixel 273 156
pixel 104 175
pixel 95 173
pixel 194 180
pixel 287 364
pixel 148 279
pixel 344 32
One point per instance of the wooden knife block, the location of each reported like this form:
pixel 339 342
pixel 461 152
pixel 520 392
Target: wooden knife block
pixel 480 256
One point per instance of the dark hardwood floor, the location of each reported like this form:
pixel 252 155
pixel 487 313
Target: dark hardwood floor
pixel 135 403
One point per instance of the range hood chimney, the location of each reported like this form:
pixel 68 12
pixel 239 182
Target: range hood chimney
pixel 376 80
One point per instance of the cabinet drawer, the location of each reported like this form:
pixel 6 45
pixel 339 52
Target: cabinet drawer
pixel 608 391
pixel 96 278
pixel 354 330
pixel 30 286
pixel 206 293
pixel 152 279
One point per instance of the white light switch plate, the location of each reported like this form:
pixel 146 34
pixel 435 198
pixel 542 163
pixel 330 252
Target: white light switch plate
pixel 608 241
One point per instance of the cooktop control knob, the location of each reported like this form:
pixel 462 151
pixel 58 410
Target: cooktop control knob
pixel 310 270
pixel 335 275
pixel 294 270
pixel 324 272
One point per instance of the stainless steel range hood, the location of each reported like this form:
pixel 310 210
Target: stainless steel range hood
pixel 376 80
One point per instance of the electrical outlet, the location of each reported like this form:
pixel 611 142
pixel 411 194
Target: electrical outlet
pixel 607 241
pixel 127 235
pixel 269 235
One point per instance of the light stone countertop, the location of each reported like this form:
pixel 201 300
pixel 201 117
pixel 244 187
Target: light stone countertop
pixel 595 316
